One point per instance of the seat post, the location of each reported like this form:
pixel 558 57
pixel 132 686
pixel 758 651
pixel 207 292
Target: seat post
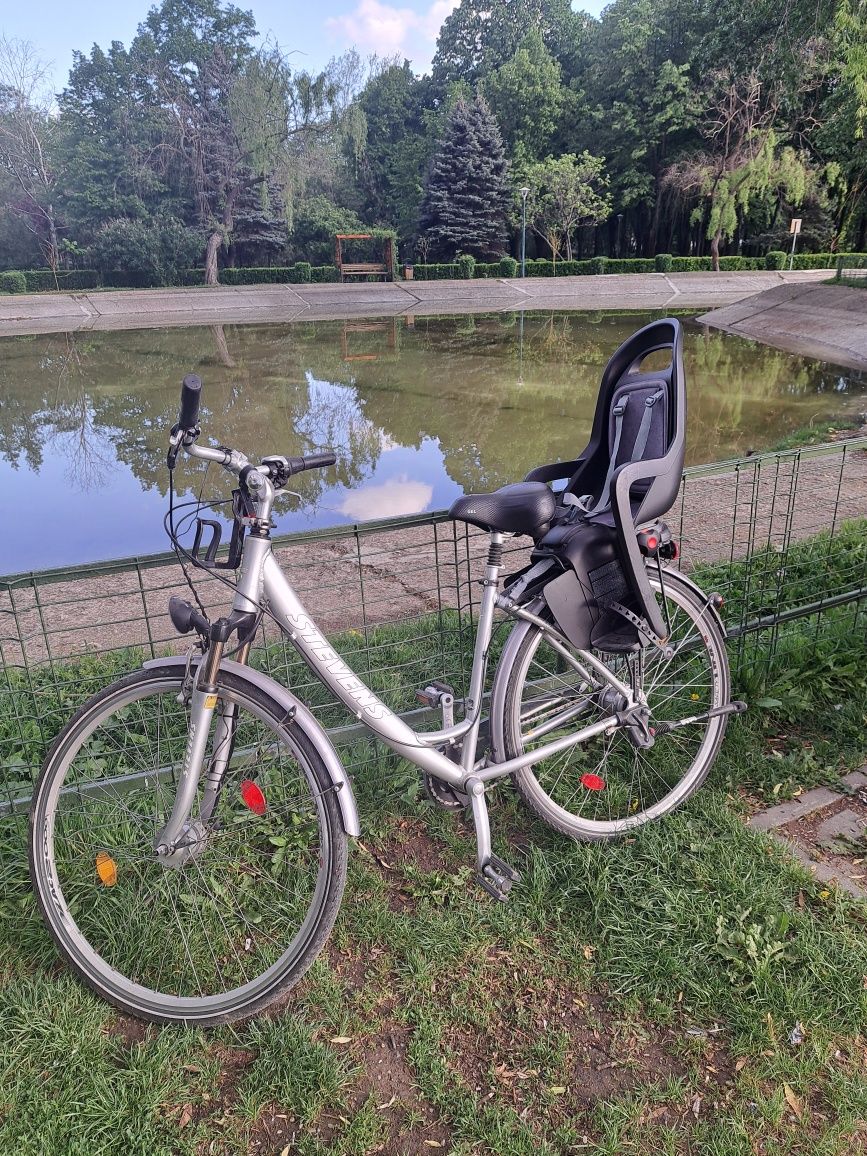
pixel 484 630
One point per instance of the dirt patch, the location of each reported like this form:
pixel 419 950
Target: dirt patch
pixel 416 864
pixel 129 1031
pixel 412 1122
pixel 551 1050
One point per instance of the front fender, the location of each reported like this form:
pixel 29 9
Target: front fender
pixel 302 718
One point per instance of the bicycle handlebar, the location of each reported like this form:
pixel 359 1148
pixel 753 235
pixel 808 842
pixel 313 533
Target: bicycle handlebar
pixel 279 469
pixel 191 395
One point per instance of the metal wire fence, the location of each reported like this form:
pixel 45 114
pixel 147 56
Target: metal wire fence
pixel 782 536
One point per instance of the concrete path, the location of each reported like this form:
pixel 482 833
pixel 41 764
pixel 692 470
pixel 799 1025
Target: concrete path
pixel 159 308
pixel 824 321
pixel 824 830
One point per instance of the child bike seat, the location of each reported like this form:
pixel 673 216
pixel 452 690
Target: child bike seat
pixel 628 475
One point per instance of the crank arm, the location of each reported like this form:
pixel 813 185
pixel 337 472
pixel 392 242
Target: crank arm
pixel 734 707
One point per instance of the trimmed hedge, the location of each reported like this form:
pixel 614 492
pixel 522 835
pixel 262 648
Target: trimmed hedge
pixel 301 273
pixel 776 259
pixel 819 260
pixel 13 281
pixel 436 272
pixel 42 280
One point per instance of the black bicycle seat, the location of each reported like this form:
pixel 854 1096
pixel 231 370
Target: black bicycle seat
pixel 522 508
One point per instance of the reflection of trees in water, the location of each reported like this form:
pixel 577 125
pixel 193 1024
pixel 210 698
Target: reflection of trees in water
pixel 497 405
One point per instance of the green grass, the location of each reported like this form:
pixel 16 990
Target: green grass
pixel 635 997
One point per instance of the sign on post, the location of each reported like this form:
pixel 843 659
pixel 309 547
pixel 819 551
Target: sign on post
pixel 794 229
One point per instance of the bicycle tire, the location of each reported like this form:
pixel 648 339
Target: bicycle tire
pixel 249 880
pixel 597 790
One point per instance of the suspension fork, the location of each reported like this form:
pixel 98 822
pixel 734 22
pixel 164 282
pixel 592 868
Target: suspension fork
pixel 205 703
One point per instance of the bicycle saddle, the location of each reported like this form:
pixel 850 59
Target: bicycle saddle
pixel 521 508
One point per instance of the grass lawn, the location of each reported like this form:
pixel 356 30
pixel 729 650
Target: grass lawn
pixel 686 990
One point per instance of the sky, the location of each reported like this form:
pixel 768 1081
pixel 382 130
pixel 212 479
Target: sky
pixel 312 33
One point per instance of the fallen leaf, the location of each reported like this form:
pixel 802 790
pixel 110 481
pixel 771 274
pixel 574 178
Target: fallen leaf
pixel 741 1063
pixel 284 1151
pixel 558 1091
pixel 793 1101
pixel 588 951
pixel 341 1040
pixel 432 1144
pixel 186 1115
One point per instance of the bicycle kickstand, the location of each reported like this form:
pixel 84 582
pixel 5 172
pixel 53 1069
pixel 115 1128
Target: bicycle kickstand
pixel 493 873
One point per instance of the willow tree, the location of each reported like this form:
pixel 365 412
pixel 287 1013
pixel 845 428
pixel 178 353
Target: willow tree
pixel 743 161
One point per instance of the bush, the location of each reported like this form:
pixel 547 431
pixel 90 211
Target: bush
pixel 817 260
pixel 134 254
pixel 320 274
pixel 466 264
pixel 13 281
pixel 598 264
pixel 42 280
pixel 691 264
pixel 739 264
pixel 298 274
pixel 302 271
pixel 662 262
pixel 435 272
pixel 628 264
pixel 508 267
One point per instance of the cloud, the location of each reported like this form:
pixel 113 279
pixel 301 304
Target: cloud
pixel 392 499
pixel 387 29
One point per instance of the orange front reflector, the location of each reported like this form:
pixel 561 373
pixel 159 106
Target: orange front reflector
pixel 106 869
pixel 253 797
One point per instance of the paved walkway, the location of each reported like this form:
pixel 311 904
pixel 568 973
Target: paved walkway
pixel 159 308
pixel 826 831
pixel 828 322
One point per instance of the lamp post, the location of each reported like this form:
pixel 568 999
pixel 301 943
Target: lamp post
pixel 525 192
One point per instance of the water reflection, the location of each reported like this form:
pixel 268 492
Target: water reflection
pixel 418 413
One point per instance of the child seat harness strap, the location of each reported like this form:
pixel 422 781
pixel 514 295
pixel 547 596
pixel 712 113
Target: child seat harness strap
pixel 585 505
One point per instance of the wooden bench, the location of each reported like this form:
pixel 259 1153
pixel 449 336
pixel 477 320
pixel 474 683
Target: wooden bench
pixel 364 269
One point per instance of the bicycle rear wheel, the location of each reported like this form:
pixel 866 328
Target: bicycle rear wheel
pixel 243 908
pixel 607 786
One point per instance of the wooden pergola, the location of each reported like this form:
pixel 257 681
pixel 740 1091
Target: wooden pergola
pixel 346 269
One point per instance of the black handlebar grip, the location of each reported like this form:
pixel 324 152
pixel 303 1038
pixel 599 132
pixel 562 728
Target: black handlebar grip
pixel 191 393
pixel 319 461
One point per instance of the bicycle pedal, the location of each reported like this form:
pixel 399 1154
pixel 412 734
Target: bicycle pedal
pixel 433 694
pixel 498 877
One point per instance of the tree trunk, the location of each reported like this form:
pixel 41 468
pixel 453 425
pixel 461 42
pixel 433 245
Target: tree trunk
pixel 215 240
pixel 714 251
pixel 222 346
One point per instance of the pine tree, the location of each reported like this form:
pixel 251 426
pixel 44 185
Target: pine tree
pixel 467 196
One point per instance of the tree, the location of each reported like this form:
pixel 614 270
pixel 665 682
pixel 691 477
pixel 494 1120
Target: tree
pixel 27 134
pixel 467 195
pixel 565 193
pixel 482 35
pixel 743 161
pixel 397 148
pixel 526 96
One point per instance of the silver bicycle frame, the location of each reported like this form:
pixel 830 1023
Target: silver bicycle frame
pixel 262 583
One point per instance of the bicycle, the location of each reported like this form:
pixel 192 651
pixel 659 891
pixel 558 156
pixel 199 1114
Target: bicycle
pixel 189 831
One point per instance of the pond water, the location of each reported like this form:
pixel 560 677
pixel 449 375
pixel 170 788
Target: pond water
pixel 418 412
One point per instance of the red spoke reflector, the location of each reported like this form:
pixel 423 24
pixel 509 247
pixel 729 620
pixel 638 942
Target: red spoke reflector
pixel 253 797
pixel 652 543
pixel 592 782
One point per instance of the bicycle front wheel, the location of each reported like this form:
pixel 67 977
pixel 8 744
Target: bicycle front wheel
pixel 242 908
pixel 606 786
